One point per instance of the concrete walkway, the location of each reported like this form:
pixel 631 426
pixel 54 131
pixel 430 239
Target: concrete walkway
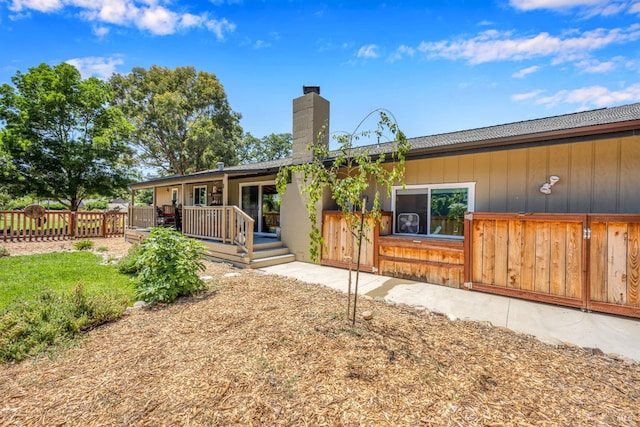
pixel 551 324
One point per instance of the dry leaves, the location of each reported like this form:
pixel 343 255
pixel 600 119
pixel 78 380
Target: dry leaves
pixel 265 350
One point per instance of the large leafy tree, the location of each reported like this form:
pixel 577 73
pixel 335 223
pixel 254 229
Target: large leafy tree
pixel 183 119
pixel 61 138
pixel 270 147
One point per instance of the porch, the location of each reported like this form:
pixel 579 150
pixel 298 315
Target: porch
pixel 227 232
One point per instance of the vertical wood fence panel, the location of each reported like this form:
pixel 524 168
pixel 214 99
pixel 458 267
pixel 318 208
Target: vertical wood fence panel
pixel 532 256
pixel 589 261
pixel 614 264
pixel 60 225
pixel 340 244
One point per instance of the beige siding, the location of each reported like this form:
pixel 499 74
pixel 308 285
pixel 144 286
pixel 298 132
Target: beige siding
pixel 516 181
pixel 294 219
pixel 629 180
pixel 596 176
pixel 234 186
pixel 605 183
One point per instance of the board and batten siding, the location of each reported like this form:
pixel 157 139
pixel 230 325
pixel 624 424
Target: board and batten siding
pixel 595 176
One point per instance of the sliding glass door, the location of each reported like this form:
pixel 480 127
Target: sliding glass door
pixel 260 200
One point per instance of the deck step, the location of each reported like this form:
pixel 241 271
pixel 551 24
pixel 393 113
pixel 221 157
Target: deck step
pixel 267 245
pixel 271 252
pixel 273 260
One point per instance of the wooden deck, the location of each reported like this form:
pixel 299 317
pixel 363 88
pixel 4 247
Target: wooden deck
pixel 266 251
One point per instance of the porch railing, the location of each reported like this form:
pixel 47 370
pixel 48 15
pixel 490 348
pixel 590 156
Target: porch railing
pixel 142 216
pixel 227 224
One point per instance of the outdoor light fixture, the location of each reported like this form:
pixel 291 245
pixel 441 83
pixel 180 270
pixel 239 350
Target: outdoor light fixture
pixel 546 187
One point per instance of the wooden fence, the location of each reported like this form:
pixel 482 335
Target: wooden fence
pixel 437 261
pixel 579 260
pixel 60 225
pixel 340 244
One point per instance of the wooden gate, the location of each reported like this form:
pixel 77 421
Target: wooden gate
pixel 614 264
pixel 578 260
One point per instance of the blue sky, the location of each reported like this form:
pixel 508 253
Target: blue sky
pixel 438 66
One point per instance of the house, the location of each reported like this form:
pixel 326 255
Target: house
pixel 545 209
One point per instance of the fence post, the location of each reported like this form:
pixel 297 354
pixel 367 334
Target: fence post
pixel 73 222
pixel 104 224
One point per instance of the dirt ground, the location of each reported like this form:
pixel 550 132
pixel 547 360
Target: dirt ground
pixel 259 349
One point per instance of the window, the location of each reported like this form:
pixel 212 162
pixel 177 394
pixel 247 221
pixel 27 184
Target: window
pixel 174 196
pixel 200 196
pixel 432 210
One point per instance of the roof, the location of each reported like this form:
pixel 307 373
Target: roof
pixel 546 129
pixel 604 121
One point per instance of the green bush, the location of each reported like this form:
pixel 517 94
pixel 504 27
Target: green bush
pixel 28 328
pixel 128 263
pixel 97 205
pixel 168 266
pixel 4 252
pixel 83 245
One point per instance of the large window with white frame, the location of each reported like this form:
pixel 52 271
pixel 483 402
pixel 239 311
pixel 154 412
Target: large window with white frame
pixel 432 210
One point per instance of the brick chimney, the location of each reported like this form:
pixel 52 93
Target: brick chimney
pixel 310 115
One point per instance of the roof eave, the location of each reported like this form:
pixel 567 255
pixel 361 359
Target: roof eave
pixel 541 138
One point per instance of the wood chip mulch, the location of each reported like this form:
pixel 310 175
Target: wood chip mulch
pixel 266 350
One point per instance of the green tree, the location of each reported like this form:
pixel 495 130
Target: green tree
pixel 348 175
pixel 270 147
pixel 183 119
pixel 61 136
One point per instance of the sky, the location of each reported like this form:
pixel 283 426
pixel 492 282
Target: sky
pixel 438 66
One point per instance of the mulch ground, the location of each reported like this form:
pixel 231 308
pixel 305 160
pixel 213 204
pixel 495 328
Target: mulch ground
pixel 265 350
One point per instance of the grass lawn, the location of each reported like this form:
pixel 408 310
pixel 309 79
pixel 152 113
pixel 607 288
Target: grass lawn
pixel 23 278
pixel 48 299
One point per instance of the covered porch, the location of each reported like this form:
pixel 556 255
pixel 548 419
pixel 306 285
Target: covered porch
pixel 233 214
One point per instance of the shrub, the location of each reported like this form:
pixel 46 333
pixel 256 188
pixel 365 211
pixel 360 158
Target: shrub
pixel 83 245
pixel 4 252
pixel 168 266
pixel 52 318
pixel 96 205
pixel 128 263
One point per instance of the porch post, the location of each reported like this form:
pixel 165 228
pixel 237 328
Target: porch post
pixel 225 190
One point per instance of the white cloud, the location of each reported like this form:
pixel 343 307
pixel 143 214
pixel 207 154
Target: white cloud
pixel 587 8
pixel 525 71
pixel 100 30
pixel 594 66
pixel 157 20
pixel 148 15
pixel 368 51
pixel 261 44
pixel 401 52
pixel 220 27
pixel 635 8
pixel 38 5
pixel 526 96
pixel 494 45
pixel 552 4
pixel 95 66
pixel 586 97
